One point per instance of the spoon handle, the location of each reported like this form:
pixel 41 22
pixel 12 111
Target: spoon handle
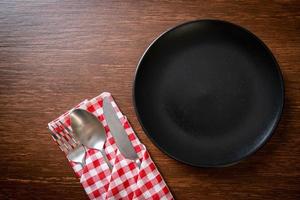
pixel 106 159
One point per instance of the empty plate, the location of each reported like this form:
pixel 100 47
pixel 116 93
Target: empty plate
pixel 208 93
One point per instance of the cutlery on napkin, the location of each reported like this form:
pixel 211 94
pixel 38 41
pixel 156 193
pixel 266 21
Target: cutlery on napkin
pixel 126 180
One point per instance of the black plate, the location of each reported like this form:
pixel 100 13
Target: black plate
pixel 208 93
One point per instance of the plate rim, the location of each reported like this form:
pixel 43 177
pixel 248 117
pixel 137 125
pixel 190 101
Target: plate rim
pixel 254 149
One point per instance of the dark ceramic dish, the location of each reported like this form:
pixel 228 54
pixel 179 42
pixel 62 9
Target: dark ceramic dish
pixel 208 93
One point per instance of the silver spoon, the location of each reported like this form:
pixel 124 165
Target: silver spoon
pixel 89 131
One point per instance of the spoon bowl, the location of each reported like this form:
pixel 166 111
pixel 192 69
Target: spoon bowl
pixel 89 131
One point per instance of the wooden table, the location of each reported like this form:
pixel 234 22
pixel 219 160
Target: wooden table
pixel 53 54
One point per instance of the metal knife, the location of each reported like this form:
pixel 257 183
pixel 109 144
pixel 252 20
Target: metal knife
pixel 117 130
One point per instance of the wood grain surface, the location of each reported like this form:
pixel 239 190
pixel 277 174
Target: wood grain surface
pixel 53 54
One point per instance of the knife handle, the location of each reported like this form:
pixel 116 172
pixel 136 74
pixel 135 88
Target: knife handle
pixel 138 163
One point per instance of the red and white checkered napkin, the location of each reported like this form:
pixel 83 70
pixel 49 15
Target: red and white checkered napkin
pixel 126 180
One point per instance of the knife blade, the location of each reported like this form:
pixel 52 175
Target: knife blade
pixel 117 130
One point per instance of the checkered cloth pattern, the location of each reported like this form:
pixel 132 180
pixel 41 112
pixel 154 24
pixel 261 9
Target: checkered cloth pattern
pixel 126 180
